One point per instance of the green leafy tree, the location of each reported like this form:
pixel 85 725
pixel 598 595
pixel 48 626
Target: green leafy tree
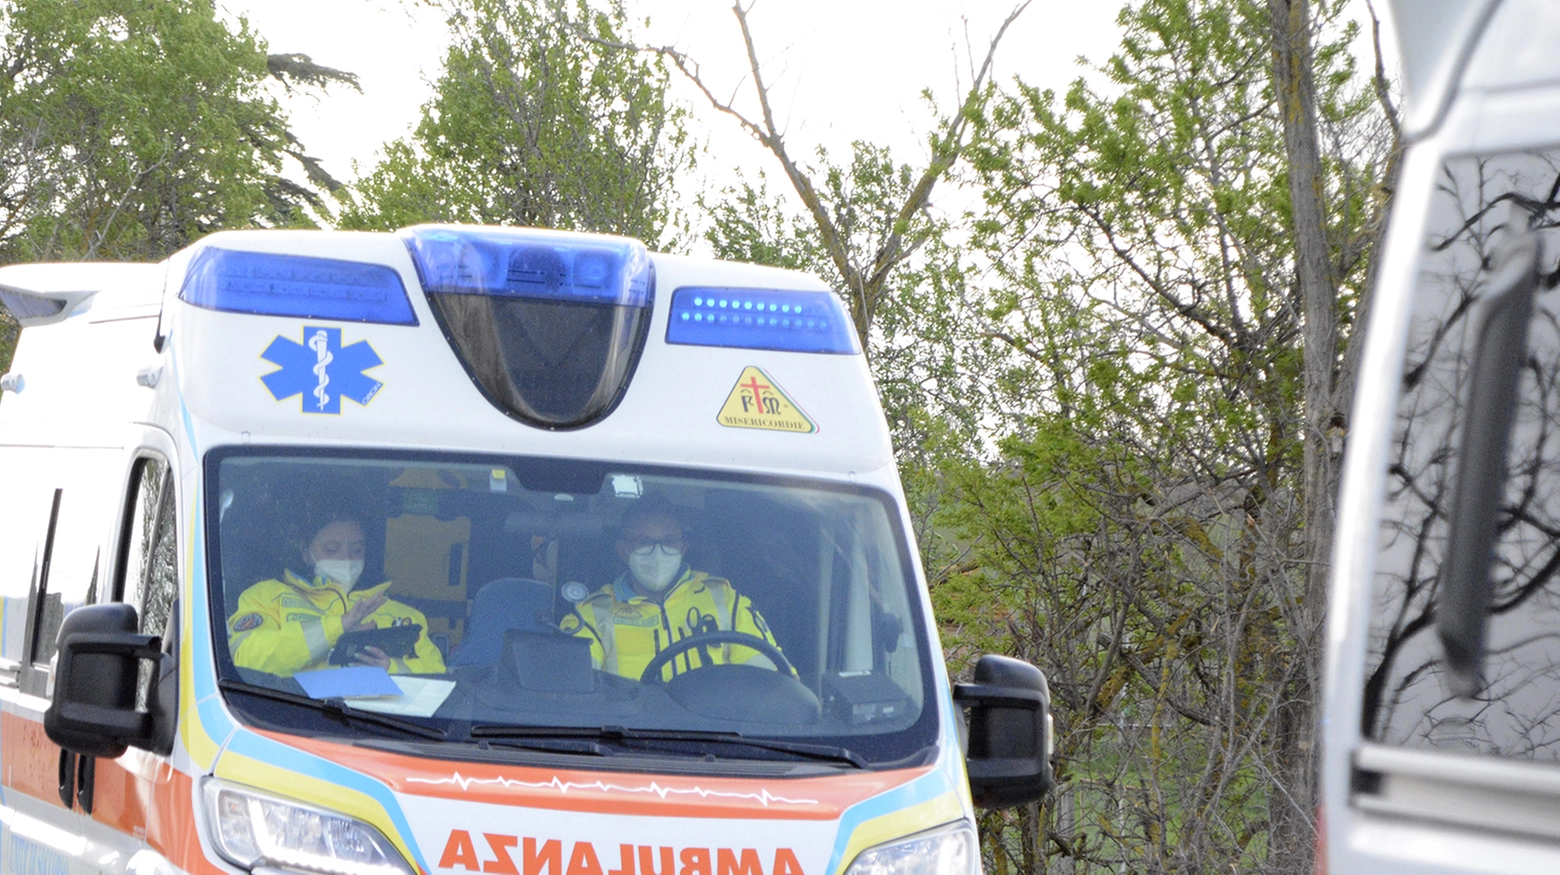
pixel 868 227
pixel 129 129
pixel 865 248
pixel 926 343
pixel 539 118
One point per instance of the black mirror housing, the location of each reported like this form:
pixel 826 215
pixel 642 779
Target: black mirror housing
pixel 1010 732
pixel 93 710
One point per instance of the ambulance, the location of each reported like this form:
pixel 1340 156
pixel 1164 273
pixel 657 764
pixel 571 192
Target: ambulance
pixel 491 405
pixel 1441 740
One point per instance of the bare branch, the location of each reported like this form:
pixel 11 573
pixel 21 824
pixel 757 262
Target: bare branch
pixel 1383 88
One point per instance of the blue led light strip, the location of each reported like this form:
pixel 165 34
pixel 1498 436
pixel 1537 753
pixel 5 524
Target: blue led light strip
pixel 275 284
pixel 778 319
pixel 531 263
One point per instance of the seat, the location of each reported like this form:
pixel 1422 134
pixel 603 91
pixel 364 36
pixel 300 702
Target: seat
pixel 501 605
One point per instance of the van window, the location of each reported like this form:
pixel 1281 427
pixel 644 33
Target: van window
pixel 1479 201
pixel 24 515
pixel 553 598
pixel 84 481
pixel 149 566
pixel 80 522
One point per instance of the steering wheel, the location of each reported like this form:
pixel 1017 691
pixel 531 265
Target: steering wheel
pixel 652 672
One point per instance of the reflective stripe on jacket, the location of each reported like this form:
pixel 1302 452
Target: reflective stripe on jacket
pixel 289 625
pixel 626 630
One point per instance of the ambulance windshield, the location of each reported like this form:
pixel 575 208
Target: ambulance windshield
pixel 545 608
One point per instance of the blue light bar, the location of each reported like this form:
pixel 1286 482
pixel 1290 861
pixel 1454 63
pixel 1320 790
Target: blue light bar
pixel 274 284
pixel 531 263
pixel 779 319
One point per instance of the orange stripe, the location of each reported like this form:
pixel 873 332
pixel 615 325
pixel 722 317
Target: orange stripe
pixel 138 794
pixel 32 760
pixel 629 793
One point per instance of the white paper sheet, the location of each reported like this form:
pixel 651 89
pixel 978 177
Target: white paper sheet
pixel 420 697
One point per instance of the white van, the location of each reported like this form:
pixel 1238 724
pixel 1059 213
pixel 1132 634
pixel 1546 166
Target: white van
pixel 653 604
pixel 1442 712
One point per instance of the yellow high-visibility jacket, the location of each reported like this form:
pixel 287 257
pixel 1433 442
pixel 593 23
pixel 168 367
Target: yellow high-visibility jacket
pixel 626 630
pixel 290 625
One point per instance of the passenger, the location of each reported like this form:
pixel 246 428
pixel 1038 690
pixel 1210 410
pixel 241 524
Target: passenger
pixel 289 625
pixel 659 601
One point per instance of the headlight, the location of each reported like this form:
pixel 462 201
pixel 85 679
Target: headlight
pixel 946 850
pixel 250 828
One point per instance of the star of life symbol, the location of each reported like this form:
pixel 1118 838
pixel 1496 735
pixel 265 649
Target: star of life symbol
pixel 321 370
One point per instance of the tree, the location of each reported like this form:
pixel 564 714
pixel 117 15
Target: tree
pixel 129 129
pixel 1177 263
pixel 539 118
pixel 867 227
pixel 864 255
pixel 932 364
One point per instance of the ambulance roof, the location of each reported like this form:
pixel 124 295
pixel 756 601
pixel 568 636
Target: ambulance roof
pixel 358 353
pixel 38 294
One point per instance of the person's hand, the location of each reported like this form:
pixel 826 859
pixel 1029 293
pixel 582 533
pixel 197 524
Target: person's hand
pixel 371 655
pixel 356 618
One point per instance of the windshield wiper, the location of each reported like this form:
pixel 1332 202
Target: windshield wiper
pixel 807 750
pixel 823 752
pixel 335 708
pixel 554 744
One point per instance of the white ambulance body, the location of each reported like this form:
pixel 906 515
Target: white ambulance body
pixel 1441 741
pixel 489 404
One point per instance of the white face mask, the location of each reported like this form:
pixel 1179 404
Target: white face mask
pixel 343 571
pixel 655 571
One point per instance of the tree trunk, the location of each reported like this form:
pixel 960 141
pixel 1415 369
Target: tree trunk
pixel 1291 836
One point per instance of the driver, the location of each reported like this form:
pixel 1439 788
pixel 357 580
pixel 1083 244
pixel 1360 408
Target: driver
pixel 660 601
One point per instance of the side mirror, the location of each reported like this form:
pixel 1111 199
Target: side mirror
pixel 93 712
pixel 1009 758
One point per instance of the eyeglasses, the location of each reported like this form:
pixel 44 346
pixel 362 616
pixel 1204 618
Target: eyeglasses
pixel 645 546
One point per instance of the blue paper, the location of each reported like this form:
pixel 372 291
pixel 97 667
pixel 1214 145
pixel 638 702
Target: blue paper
pixel 355 680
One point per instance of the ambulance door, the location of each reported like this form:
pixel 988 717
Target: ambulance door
pixel 62 509
pixel 1442 745
pixel 128 795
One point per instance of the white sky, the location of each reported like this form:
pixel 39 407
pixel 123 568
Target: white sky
pixel 840 69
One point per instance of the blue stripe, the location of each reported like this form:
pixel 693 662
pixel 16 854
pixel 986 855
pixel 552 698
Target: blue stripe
pixel 282 756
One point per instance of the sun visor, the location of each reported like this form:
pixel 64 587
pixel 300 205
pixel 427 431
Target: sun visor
pixel 549 324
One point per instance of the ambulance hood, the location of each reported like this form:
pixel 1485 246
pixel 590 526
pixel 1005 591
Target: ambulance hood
pixel 484 817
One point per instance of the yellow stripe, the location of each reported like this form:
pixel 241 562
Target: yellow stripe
pixel 200 745
pixel 310 790
pixel 898 824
